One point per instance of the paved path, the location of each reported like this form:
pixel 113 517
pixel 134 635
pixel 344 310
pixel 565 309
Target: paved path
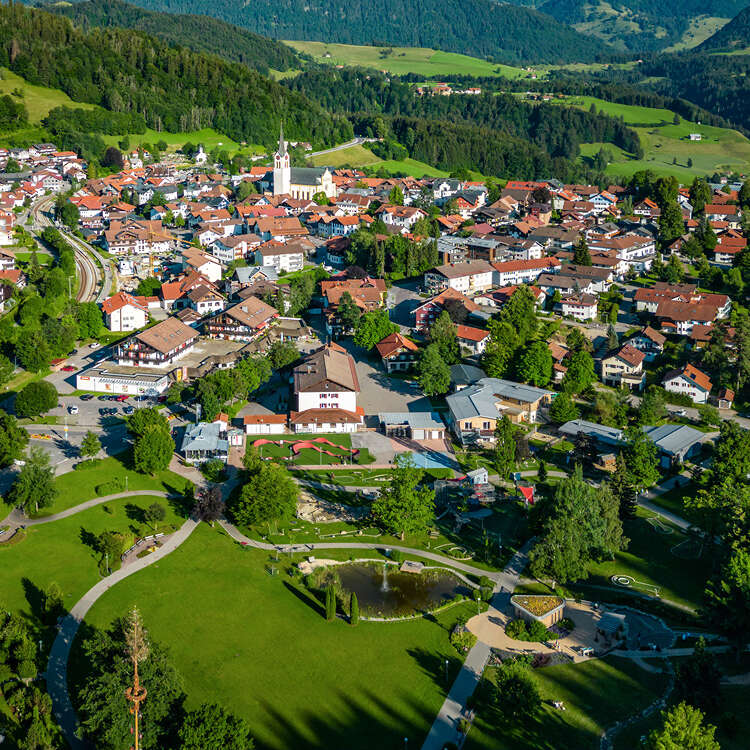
pixel 57 664
pixel 445 727
pixel 18 518
pixel 238 536
pixel 340 147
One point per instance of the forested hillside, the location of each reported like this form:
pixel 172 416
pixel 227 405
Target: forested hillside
pixel 173 89
pixel 199 33
pixel 639 24
pixel 556 130
pixel 482 28
pixel 734 36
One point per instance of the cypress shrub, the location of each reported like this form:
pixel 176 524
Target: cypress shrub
pixel 354 610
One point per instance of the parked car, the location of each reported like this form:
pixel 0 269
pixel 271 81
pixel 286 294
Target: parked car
pixel 73 409
pixel 68 368
pixel 103 412
pixel 94 345
pixel 122 397
pixel 113 398
pixel 87 396
pixel 128 409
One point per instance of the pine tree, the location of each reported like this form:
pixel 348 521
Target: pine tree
pixel 542 471
pixel 354 610
pixel 581 254
pixel 330 603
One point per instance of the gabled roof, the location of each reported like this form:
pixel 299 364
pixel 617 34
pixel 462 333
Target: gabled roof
pixel 328 367
pixel 394 343
pixel 468 333
pixel 693 374
pixel 119 300
pixel 168 335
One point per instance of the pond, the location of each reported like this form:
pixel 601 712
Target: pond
pixel 395 594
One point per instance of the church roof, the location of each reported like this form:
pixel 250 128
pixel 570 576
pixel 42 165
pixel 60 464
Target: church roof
pixel 307 175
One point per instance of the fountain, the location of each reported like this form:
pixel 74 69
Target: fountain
pixel 384 587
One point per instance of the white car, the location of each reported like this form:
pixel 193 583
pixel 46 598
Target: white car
pixel 94 345
pixel 73 409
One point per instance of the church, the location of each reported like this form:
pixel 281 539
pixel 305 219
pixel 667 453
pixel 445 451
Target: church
pixel 299 182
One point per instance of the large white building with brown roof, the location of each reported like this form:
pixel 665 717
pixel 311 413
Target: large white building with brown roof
pixel 157 346
pixel 137 238
pixel 468 278
pixel 124 312
pixel 690 382
pixel 624 368
pixel 281 257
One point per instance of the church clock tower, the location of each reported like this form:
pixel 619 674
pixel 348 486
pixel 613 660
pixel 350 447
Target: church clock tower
pixel 282 170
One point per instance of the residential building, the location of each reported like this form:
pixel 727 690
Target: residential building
pixel 264 424
pixel 650 342
pixel 137 237
pixel 289 257
pixel 514 272
pixel 468 278
pixel 690 382
pixel 397 352
pixel 624 368
pixel 474 411
pixel 244 321
pixel 579 306
pixel 124 312
pixel 157 346
pixel 675 442
pixel 208 266
pixel 427 312
pixel 205 300
pixel 473 339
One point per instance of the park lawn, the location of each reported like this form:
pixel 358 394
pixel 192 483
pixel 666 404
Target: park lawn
pixel 257 645
pixel 104 478
pixel 58 551
pixel 38 100
pixel 353 156
pixel 24 256
pixel 209 137
pixel 596 694
pixel 649 560
pixel 403 60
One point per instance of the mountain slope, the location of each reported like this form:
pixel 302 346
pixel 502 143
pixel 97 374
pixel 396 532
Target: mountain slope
pixel 734 36
pixel 173 89
pixel 199 33
pixel 481 28
pixel 641 25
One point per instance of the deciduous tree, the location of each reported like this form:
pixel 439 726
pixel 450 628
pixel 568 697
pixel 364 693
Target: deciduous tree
pixel 443 334
pixel 90 445
pixel 36 398
pixel 153 451
pixel 683 729
pixel 433 373
pixel 211 727
pixel 270 495
pixel 34 485
pixel 373 327
pixel 155 513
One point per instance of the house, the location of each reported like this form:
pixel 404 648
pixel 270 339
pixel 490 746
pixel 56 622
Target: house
pixel 473 339
pixel 205 299
pixel 174 294
pixel 624 368
pixel 468 278
pixel 397 352
pixel 289 257
pixel 159 345
pixel 650 342
pixel 401 217
pixel 579 306
pixel 326 387
pixel 725 399
pixel 675 442
pixel 124 312
pixel 412 425
pixel 426 314
pixel 690 382
pixel 195 260
pixel 205 441
pixel 367 294
pixel 462 376
pixel 241 322
pixel 473 412
pixel 7 224
pixel 139 237
pixel 602 435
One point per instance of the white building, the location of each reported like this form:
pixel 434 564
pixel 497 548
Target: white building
pixel 689 381
pixel 131 381
pixel 468 278
pixel 513 272
pixel 124 312
pixel 280 257
pixel 579 306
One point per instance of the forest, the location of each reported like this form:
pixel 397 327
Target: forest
pixel 199 33
pixel 556 130
pixel 481 28
pixel 172 89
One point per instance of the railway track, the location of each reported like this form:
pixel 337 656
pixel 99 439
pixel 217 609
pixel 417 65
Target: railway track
pixel 88 273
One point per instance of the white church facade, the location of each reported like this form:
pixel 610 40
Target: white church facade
pixel 299 182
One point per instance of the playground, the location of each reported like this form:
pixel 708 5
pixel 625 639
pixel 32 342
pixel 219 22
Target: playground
pixel 309 451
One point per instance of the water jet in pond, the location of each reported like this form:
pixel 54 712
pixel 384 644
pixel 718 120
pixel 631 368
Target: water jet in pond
pixel 396 594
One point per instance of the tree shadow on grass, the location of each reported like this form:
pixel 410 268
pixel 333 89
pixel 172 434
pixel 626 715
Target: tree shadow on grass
pixel 134 513
pixel 433 665
pixel 35 598
pixel 306 598
pixel 90 540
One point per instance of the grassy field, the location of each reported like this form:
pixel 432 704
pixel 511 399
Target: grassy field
pixel 596 694
pixel 355 156
pixel 410 167
pixel 209 137
pixel 665 143
pixel 401 60
pixel 107 477
pixel 698 31
pixel 61 551
pixel 259 646
pixel 39 100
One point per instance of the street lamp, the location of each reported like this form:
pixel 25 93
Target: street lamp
pixel 446 670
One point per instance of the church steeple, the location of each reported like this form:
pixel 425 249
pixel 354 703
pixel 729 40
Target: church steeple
pixel 282 142
pixel 281 167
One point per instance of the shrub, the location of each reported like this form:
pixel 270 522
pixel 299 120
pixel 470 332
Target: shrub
pixel 27 670
pixel 567 624
pixel 110 488
pixel 464 725
pixel 214 470
pixel 536 631
pixel 520 630
pixel 397 555
pixel 516 629
pixel 462 640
